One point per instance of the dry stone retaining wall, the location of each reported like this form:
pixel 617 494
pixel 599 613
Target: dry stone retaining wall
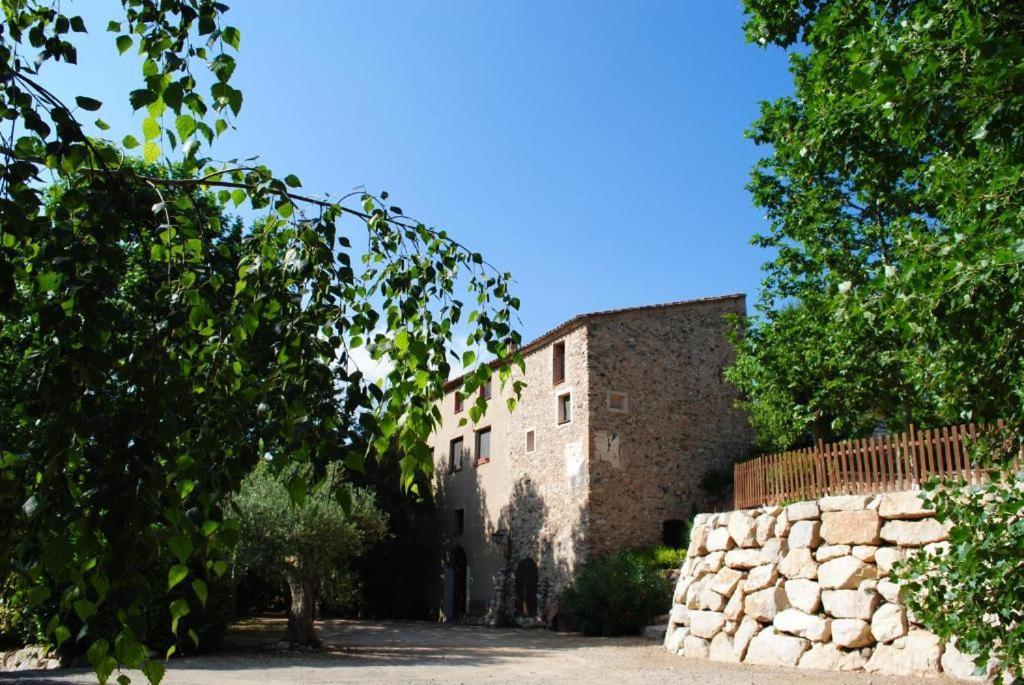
pixel 808 586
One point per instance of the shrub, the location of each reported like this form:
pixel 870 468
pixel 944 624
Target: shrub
pixel 617 594
pixel 663 557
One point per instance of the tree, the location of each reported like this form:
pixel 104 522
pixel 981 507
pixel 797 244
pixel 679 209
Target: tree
pixel 138 419
pixel 304 543
pixel 893 190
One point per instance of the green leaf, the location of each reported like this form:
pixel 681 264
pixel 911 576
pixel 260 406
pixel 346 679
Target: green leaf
pixel 154 671
pixel 402 340
pixel 130 142
pixel 200 589
pixel 176 574
pixel 123 42
pixel 185 125
pixel 292 181
pixel 88 103
pixel 151 152
pixel 102 125
pixel 181 547
pixel 150 128
pixel 84 609
pixel 231 36
pixel 468 357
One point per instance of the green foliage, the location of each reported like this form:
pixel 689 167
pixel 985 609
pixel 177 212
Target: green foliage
pixel 617 594
pixel 892 193
pixel 156 352
pixel 974 591
pixel 662 557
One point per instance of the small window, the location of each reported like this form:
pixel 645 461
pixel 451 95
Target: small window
pixel 455 455
pixel 458 402
pixel 531 441
pixel 460 521
pixel 557 363
pixel 485 390
pixel 564 408
pixel 483 445
pixel 673 533
pixel 618 402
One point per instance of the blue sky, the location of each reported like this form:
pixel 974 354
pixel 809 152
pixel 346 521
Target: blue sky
pixel 593 149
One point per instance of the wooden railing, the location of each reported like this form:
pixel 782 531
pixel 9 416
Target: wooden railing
pixel 881 463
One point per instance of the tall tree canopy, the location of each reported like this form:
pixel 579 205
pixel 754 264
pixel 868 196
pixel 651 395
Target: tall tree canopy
pixel 893 194
pixel 894 191
pixel 159 357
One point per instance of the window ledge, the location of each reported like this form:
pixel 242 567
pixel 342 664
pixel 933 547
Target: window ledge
pixel 485 460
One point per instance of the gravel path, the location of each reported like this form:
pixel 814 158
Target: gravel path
pixel 392 652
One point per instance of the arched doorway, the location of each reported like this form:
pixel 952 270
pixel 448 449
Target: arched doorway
pixel 455 584
pixel 526 588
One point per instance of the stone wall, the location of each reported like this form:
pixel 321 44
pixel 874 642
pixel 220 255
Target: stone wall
pixel 808 586
pixel 648 463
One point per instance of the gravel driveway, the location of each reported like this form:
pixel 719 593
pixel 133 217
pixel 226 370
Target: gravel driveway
pixel 393 652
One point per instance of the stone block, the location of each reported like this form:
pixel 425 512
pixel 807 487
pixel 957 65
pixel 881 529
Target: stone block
pixel 844 503
pixel 851 527
pixel 770 648
pixel 744 634
pixel 808 626
pixel 698 541
pixel 773 550
pixel 743 559
pixel 719 539
pixel 765 528
pixel 782 524
pixel 725 581
pixel 805 595
pixel 722 649
pixel 679 615
pixel 916 654
pixel 799 563
pixel 682 585
pixel 889 623
pixel 695 647
pixel 829 552
pixel 890 591
pixel 763 605
pixel 805 534
pixel 711 600
pixel 734 607
pixel 803 511
pixel 760 577
pixel 742 529
pixel 914 533
pixel 956 664
pixel 865 553
pixel 706 624
pixel 674 638
pixel 828 657
pixel 849 603
pixel 845 573
pixel 851 633
pixel 886 557
pixel 904 505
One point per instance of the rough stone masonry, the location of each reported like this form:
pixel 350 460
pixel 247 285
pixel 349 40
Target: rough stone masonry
pixel 807 586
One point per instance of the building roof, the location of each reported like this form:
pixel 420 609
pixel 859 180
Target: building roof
pixel 583 319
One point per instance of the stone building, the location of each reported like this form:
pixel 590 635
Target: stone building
pixel 624 420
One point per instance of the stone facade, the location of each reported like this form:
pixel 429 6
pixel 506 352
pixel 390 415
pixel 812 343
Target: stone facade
pixel 650 415
pixel 816 593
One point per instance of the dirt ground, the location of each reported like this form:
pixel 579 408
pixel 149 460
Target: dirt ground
pixel 393 652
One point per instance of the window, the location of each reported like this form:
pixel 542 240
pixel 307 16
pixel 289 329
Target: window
pixel 455 455
pixel 485 390
pixel 557 363
pixel 531 441
pixel 673 533
pixel 460 521
pixel 564 408
pixel 483 445
pixel 618 402
pixel 458 402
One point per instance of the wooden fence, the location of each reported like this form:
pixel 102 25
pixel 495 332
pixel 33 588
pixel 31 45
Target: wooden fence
pixel 881 463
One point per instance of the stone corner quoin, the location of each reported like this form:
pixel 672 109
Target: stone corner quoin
pixel 806 586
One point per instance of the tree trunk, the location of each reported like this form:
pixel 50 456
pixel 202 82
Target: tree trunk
pixel 300 615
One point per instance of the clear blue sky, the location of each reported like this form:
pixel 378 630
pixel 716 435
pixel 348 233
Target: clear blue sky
pixel 593 149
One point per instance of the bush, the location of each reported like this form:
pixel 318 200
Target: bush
pixel 666 558
pixel 617 594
